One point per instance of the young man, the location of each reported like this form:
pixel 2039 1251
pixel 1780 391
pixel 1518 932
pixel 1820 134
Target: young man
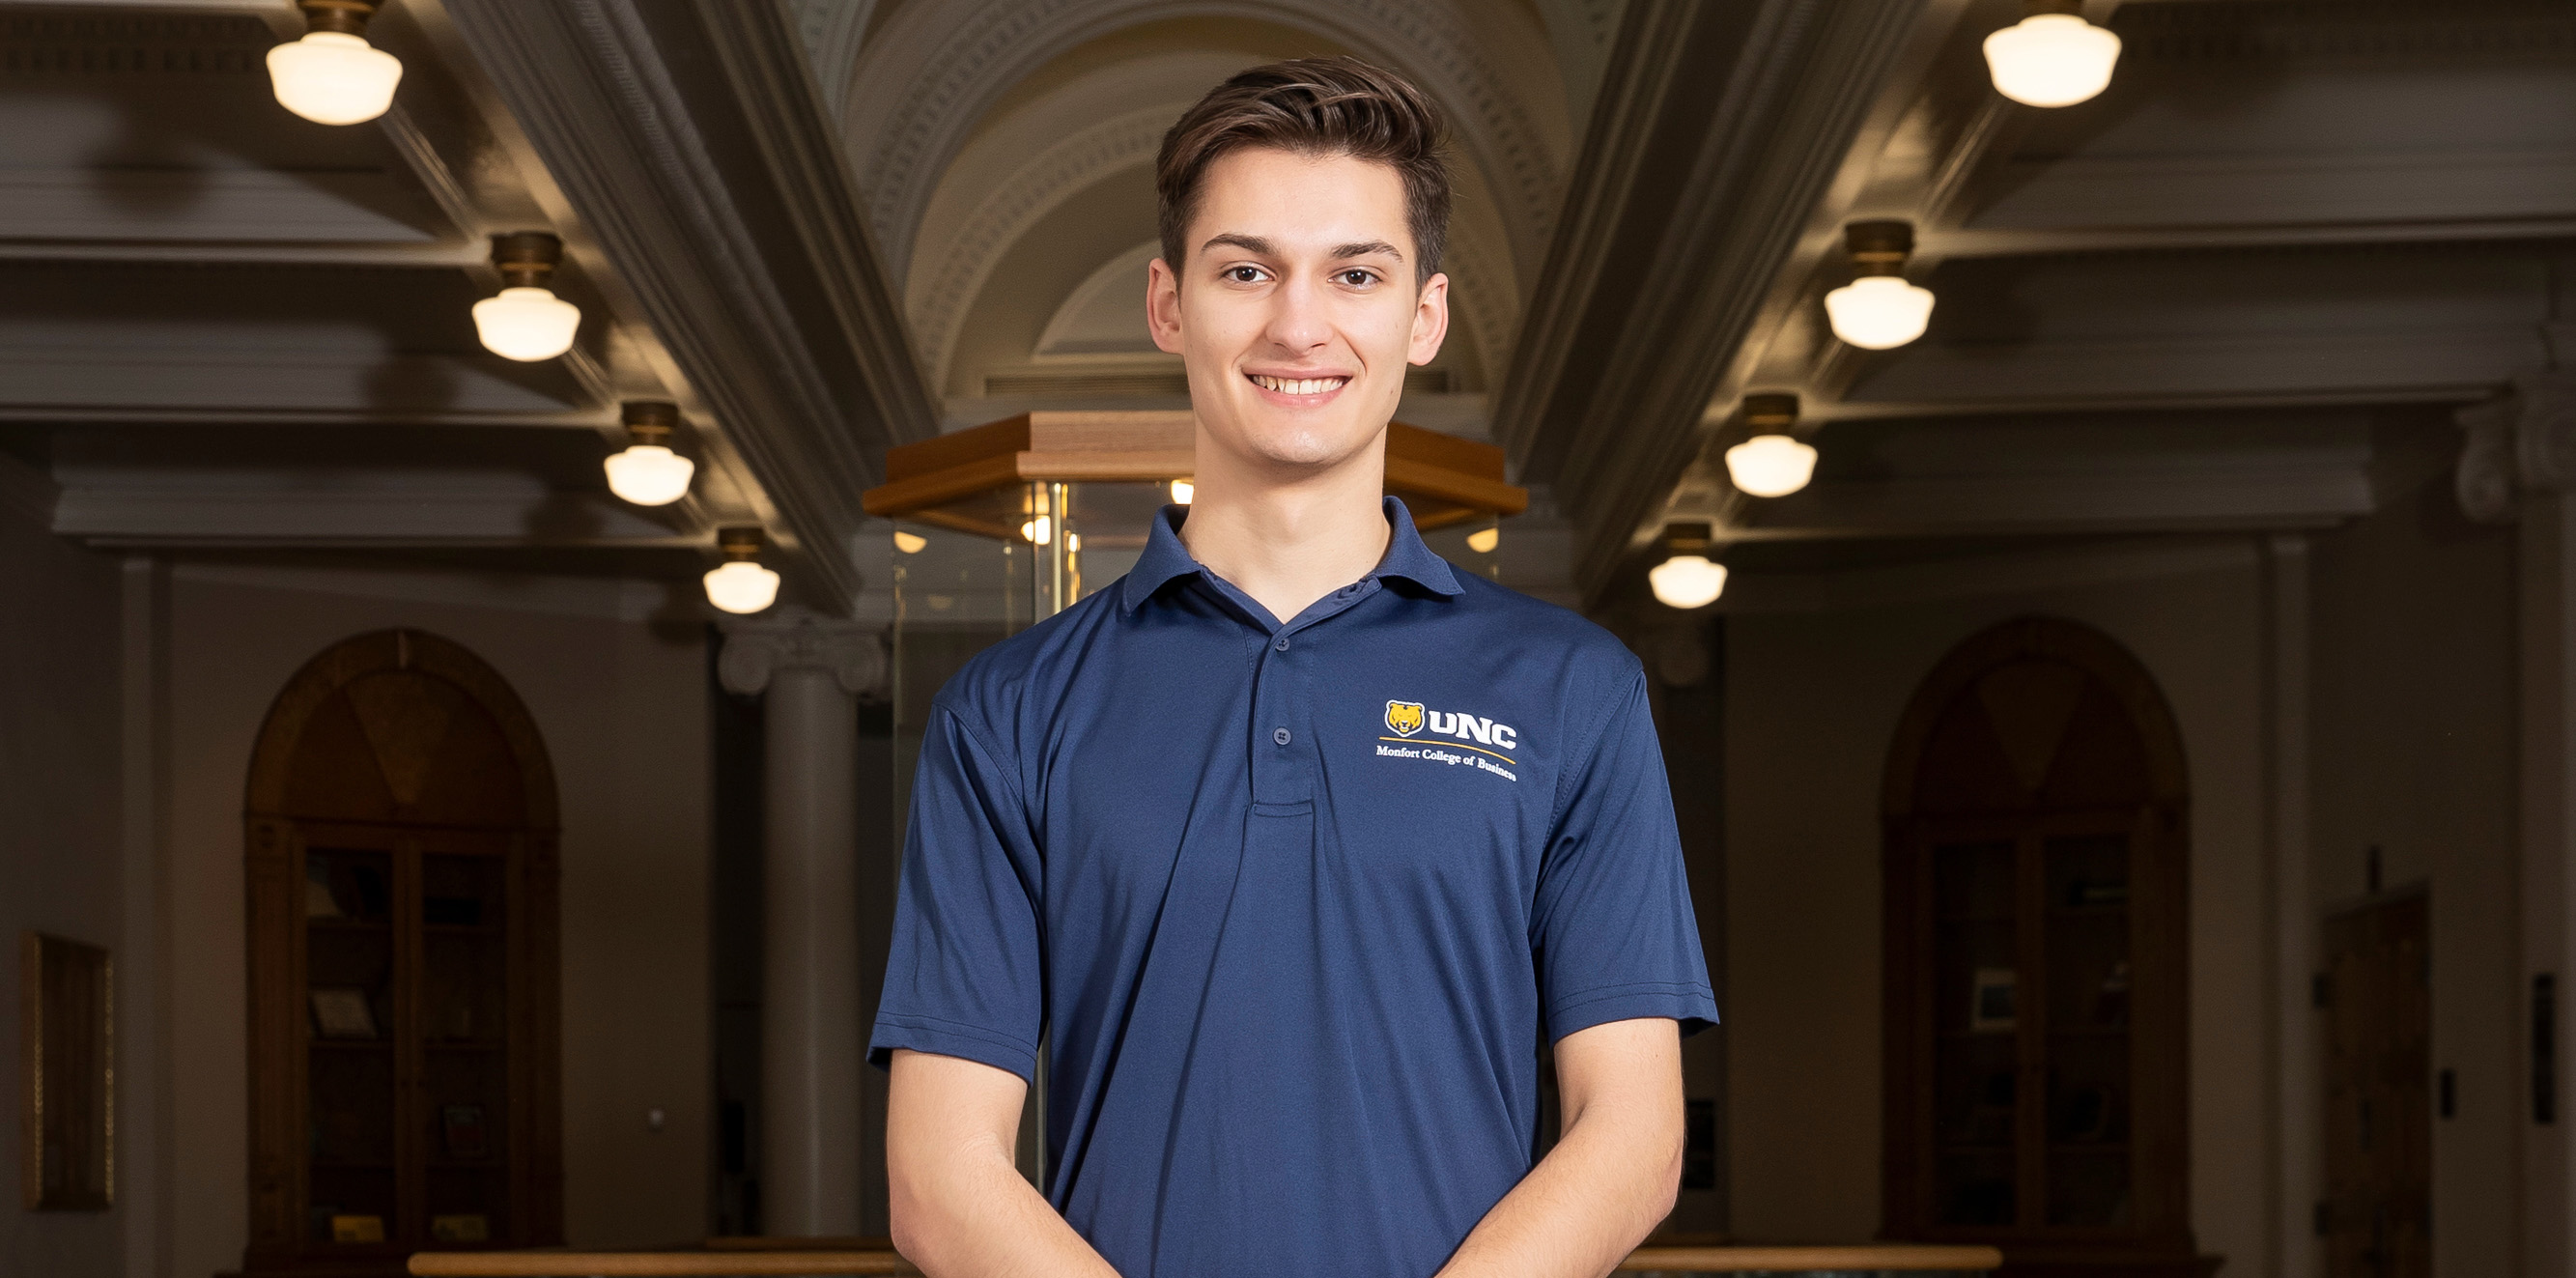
pixel 1294 843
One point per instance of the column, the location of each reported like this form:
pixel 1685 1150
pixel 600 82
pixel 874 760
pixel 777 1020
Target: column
pixel 2519 465
pixel 809 670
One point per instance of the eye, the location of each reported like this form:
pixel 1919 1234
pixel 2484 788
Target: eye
pixel 1357 277
pixel 1244 274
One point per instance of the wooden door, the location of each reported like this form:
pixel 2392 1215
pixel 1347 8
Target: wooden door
pixel 2379 1130
pixel 2036 915
pixel 401 871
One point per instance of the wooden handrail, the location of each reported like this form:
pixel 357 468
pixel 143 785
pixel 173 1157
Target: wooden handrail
pixel 737 1259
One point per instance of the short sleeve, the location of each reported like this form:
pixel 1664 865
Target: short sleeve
pixel 1614 934
pixel 963 976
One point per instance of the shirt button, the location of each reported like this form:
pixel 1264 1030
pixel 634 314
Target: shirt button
pixel 1282 645
pixel 1279 735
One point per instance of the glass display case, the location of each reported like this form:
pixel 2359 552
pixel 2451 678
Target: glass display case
pixel 1003 525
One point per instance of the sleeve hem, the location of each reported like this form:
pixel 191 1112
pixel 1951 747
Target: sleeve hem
pixel 1689 1004
pixel 947 1038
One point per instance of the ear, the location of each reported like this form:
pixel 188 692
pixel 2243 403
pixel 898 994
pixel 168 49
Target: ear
pixel 1163 306
pixel 1430 321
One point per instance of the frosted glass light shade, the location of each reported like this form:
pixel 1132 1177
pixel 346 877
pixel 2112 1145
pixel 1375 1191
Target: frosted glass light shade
pixel 649 475
pixel 1878 312
pixel 1483 540
pixel 526 323
pixel 1687 581
pixel 1039 531
pixel 1771 465
pixel 741 586
pixel 1182 491
pixel 332 77
pixel 909 543
pixel 2051 59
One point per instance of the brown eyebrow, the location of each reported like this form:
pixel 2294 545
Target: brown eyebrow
pixel 1248 243
pixel 1256 244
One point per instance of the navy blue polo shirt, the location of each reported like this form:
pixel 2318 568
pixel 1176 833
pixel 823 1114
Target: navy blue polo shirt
pixel 1294 905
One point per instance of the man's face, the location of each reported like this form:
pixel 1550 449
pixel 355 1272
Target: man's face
pixel 1297 309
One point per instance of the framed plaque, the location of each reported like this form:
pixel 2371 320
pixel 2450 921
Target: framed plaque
pixel 67 1012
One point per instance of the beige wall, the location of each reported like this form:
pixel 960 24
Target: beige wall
pixel 622 706
pixel 59 844
pixel 2416 753
pixel 1815 689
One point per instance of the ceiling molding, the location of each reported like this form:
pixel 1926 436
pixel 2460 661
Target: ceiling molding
pixel 381 512
pixel 207 204
pixel 927 78
pixel 942 296
pixel 2386 365
pixel 2222 493
pixel 2271 30
pixel 831 31
pixel 2164 195
pixel 713 187
pixel 157 382
pixel 1759 105
pixel 2052 569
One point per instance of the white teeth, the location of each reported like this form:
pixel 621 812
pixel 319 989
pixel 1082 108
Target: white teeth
pixel 1298 385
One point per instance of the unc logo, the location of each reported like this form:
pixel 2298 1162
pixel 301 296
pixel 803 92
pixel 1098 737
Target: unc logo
pixel 1404 718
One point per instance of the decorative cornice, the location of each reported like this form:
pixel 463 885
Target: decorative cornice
pixel 831 30
pixel 941 297
pixel 925 82
pixel 1712 159
pixel 2330 30
pixel 794 639
pixel 2525 438
pixel 715 188
pixel 133 44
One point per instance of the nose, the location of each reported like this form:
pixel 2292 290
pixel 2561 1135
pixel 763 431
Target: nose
pixel 1297 323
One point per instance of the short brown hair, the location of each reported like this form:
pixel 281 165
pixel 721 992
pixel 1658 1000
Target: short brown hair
pixel 1318 107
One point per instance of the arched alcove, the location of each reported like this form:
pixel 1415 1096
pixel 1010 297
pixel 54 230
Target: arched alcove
pixel 401 890
pixel 2037 927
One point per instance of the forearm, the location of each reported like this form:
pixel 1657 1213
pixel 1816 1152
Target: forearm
pixel 1605 1186
pixel 959 1207
pixel 972 1215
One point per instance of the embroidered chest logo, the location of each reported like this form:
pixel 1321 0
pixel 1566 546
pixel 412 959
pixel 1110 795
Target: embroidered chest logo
pixel 1476 742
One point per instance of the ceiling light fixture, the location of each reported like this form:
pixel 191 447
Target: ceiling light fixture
pixel 1773 463
pixel 332 75
pixel 909 543
pixel 1687 579
pixel 1484 539
pixel 2052 57
pixel 1879 310
pixel 1182 491
pixel 526 321
pixel 648 473
pixel 740 584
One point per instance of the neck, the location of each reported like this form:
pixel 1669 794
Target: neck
pixel 1287 539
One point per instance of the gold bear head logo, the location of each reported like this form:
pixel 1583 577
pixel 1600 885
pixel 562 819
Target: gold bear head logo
pixel 1404 718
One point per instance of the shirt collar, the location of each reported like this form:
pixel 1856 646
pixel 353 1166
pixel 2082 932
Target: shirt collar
pixel 1165 558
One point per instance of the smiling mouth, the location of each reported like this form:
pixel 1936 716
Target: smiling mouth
pixel 1298 385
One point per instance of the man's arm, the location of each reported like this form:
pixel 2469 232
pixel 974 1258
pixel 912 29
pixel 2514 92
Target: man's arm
pixel 960 1208
pixel 1611 1178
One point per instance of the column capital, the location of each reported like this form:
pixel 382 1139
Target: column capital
pixel 793 638
pixel 2524 438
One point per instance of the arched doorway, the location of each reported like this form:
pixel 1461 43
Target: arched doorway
pixel 401 881
pixel 2036 922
